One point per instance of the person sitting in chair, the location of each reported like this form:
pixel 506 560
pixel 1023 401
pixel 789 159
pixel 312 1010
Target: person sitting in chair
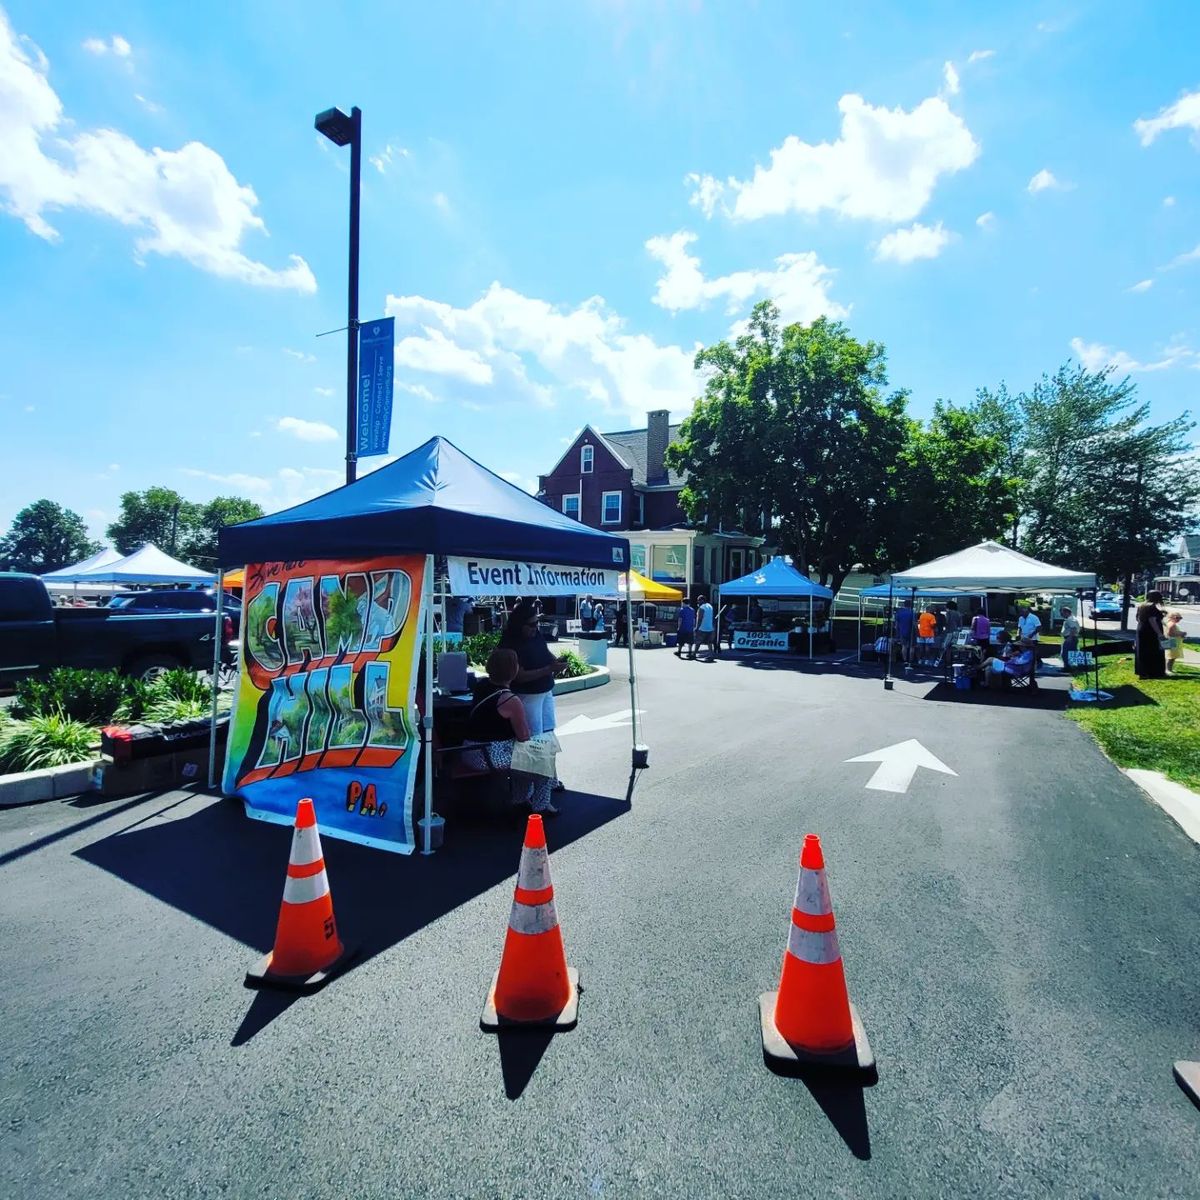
pixel 1008 665
pixel 497 722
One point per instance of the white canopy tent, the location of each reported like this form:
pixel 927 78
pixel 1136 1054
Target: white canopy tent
pixel 147 565
pixel 986 567
pixel 102 558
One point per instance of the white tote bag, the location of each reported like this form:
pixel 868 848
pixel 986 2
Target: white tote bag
pixel 536 756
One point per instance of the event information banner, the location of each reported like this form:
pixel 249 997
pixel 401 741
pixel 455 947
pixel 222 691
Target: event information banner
pixel 748 639
pixel 509 577
pixel 376 360
pixel 325 703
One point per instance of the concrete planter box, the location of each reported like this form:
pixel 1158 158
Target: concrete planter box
pixel 598 678
pixel 52 783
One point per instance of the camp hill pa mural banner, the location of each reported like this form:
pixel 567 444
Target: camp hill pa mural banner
pixel 325 703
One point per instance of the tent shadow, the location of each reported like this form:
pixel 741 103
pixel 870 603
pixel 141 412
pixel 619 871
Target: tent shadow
pixel 1051 695
pixel 827 664
pixel 227 871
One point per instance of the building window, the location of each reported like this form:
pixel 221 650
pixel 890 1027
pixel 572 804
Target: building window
pixel 610 512
pixel 570 505
pixel 586 455
pixel 637 559
pixel 641 508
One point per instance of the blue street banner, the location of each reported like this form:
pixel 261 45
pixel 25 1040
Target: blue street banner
pixel 376 359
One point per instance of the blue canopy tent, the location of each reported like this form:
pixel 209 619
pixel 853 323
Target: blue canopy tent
pixel 435 500
pixel 778 579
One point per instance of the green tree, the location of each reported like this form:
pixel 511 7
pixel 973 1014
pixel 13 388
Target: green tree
pixel 159 515
pixel 44 537
pixel 200 548
pixel 795 439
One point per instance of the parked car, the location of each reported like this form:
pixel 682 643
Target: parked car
pixel 178 600
pixel 35 636
pixel 1107 604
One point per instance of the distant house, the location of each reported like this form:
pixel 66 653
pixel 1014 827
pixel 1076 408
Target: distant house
pixel 1180 579
pixel 620 481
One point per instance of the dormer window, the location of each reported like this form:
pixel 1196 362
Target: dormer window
pixel 586 455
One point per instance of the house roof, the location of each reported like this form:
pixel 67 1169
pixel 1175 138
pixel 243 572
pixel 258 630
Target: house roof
pixel 629 445
pixel 1191 543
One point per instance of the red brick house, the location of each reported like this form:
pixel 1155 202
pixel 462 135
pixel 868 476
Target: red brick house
pixel 619 481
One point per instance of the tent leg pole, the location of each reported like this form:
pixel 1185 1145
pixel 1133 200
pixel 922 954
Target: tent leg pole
pixel 887 658
pixel 427 722
pixel 810 624
pixel 218 626
pixel 636 759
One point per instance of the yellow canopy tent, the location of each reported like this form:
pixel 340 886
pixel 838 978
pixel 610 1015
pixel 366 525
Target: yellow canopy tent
pixel 235 579
pixel 641 588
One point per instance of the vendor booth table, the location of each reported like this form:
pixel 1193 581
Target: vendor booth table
pixel 337 632
pixel 776 579
pixel 986 567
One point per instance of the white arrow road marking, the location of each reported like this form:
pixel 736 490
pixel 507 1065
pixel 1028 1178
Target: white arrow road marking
pixel 586 724
pixel 898 764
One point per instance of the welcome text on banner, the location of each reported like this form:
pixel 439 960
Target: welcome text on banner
pixel 325 703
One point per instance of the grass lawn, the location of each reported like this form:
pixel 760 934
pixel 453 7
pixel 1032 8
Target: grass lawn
pixel 1153 724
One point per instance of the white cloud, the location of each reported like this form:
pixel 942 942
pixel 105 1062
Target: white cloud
pixel 183 203
pixel 917 241
pixel 442 203
pixel 986 220
pixel 115 45
pixel 386 157
pixel 1181 260
pixel 950 79
pixel 884 166
pixel 287 487
pixel 252 485
pixel 1043 181
pixel 30 408
pixel 307 431
pixel 323 391
pixel 518 480
pixel 299 355
pixel 435 353
pixel 536 352
pixel 148 105
pixel 1144 286
pixel 1168 202
pixel 979 55
pixel 798 284
pixel 420 391
pixel 1183 114
pixel 1095 357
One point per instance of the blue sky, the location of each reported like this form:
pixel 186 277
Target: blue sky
pixel 560 203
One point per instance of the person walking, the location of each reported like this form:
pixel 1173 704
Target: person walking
pixel 1149 661
pixel 585 615
pixel 926 633
pixel 1070 633
pixel 686 629
pixel 706 630
pixel 1029 623
pixel 981 630
pixel 533 683
pixel 953 619
pixel 496 723
pixel 1173 630
pixel 903 629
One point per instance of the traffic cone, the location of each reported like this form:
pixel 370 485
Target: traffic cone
pixel 308 951
pixel 1187 1075
pixel 809 1022
pixel 534 986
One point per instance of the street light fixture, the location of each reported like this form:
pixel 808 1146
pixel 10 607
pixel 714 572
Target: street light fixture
pixel 344 130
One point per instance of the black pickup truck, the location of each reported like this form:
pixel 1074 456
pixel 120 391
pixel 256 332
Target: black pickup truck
pixel 35 636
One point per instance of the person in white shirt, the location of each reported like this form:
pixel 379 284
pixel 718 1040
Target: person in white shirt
pixel 1070 631
pixel 706 629
pixel 585 615
pixel 1028 623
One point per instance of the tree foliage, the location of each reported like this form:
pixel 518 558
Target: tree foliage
pixel 44 537
pixel 797 439
pixel 184 530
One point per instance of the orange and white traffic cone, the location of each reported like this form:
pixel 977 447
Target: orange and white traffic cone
pixel 534 986
pixel 308 951
pixel 809 1022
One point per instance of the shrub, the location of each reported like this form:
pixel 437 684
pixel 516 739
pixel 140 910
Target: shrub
pixel 165 710
pixel 91 697
pixel 478 646
pixel 46 740
pixel 184 685
pixel 575 665
pixel 139 696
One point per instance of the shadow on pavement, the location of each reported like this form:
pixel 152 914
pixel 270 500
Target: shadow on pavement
pixel 846 1108
pixel 267 1005
pixel 1050 695
pixel 520 1052
pixel 221 868
pixel 828 664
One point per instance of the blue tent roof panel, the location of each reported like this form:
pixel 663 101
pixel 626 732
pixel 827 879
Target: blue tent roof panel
pixel 434 500
pixel 775 578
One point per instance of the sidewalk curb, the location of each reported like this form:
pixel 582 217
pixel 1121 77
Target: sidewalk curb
pixel 598 678
pixel 1181 804
pixel 52 783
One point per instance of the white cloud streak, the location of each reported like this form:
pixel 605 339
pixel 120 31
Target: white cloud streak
pixel 1044 181
pixel 884 165
pixel 1096 357
pixel 183 203
pixel 1183 114
pixel 950 79
pixel 915 242
pixel 798 284
pixel 307 431
pixel 979 55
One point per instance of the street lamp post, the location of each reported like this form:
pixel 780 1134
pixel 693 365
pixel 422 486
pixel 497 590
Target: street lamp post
pixel 344 130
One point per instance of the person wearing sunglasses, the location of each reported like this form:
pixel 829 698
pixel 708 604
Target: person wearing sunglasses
pixel 538 668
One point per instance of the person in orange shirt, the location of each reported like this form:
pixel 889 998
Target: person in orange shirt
pixel 926 632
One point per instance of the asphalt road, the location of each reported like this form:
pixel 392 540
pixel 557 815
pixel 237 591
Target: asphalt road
pixel 1020 938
